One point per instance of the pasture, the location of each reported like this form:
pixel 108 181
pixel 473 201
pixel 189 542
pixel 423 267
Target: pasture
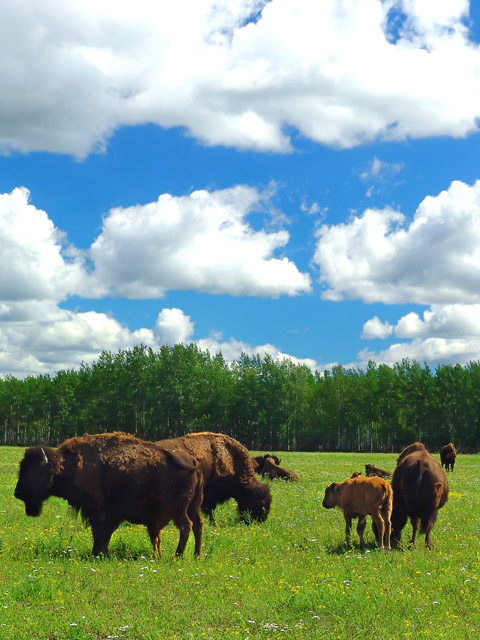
pixel 290 577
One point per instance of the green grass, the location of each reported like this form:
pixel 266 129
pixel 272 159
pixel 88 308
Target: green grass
pixel 290 577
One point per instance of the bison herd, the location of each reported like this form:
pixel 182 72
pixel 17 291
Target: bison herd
pixel 115 477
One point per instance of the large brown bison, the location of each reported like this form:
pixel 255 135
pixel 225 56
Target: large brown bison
pixel 227 472
pixel 448 454
pixel 420 489
pixel 360 497
pixel 415 446
pixel 111 478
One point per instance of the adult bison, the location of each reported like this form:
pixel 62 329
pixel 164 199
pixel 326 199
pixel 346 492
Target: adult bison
pixel 360 497
pixel 227 472
pixel 420 489
pixel 448 454
pixel 259 461
pixel 272 470
pixel 111 478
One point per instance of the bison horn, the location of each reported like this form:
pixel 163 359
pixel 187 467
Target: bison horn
pixel 44 459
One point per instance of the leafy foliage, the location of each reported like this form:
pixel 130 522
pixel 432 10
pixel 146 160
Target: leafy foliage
pixel 264 403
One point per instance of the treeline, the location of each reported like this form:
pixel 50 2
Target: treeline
pixel 266 404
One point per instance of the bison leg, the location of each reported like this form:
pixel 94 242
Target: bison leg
pixel 380 527
pixel 348 528
pixel 414 521
pixel 195 515
pixel 184 525
pixel 362 521
pixel 155 534
pixel 101 532
pixel 428 534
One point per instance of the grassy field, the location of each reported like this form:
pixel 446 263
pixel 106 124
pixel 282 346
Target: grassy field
pixel 290 577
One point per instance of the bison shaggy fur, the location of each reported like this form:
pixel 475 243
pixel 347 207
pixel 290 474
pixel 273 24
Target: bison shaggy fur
pixel 360 497
pixel 111 478
pixel 420 489
pixel 228 472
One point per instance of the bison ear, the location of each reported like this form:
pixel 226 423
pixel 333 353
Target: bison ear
pixel 44 457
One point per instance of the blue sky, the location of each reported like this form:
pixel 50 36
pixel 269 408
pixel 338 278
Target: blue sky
pixel 286 177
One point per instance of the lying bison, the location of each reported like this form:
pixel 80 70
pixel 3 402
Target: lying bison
pixel 227 472
pixel 112 478
pixel 370 470
pixel 360 497
pixel 448 454
pixel 259 461
pixel 273 471
pixel 420 489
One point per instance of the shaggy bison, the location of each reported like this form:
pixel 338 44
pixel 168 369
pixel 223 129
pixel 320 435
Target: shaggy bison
pixel 112 478
pixel 227 472
pixel 361 497
pixel 370 470
pixel 448 453
pixel 420 489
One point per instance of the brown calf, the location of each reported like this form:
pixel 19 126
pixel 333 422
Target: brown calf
pixel 361 497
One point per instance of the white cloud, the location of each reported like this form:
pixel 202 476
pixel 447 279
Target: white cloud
pixel 232 350
pixel 200 242
pixel 35 264
pixel 72 72
pixel 378 257
pixel 375 328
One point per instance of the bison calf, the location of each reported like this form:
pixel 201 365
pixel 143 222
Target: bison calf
pixel 361 497
pixel 112 478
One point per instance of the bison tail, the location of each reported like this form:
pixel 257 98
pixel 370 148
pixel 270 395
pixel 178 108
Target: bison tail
pixel 181 460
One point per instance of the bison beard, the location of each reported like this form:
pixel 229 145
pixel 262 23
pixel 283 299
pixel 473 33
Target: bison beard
pixel 228 472
pixel 112 478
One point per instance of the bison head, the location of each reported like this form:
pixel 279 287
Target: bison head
pixel 255 501
pixel 34 480
pixel 331 496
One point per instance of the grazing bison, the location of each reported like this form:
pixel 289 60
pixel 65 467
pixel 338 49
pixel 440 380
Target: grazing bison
pixel 448 453
pixel 370 470
pixel 273 470
pixel 112 478
pixel 259 461
pixel 227 472
pixel 420 489
pixel 361 497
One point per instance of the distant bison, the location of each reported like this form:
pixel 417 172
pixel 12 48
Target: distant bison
pixel 361 497
pixel 227 471
pixel 273 471
pixel 356 474
pixel 448 454
pixel 370 470
pixel 420 489
pixel 111 478
pixel 259 461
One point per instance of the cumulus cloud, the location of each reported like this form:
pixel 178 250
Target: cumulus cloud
pixel 200 242
pixel 72 72
pixel 381 257
pixel 35 262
